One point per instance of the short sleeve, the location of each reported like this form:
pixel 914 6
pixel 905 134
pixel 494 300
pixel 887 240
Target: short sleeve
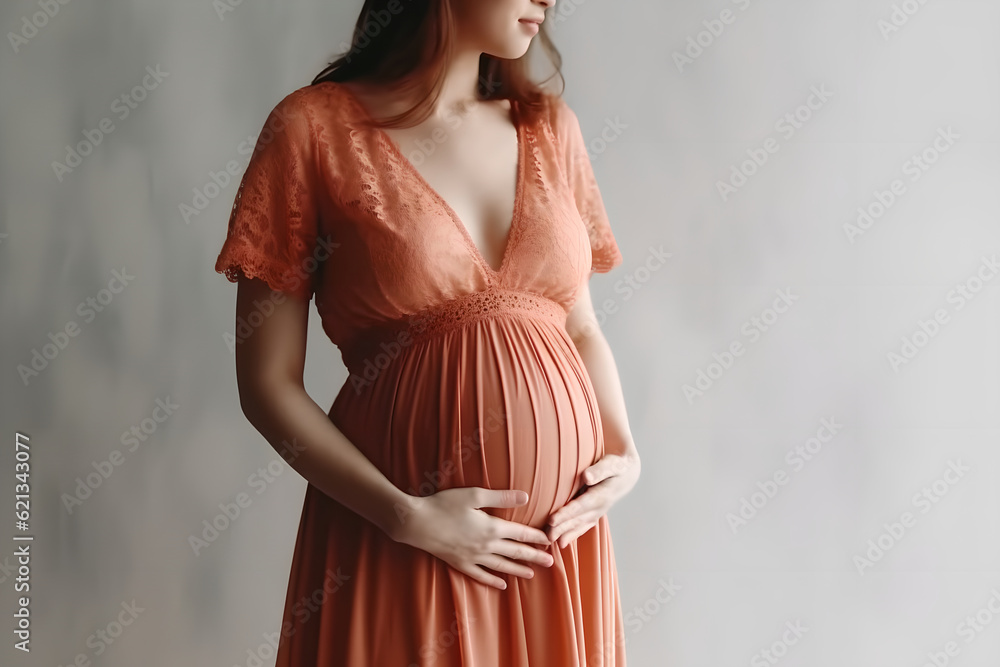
pixel 604 249
pixel 273 225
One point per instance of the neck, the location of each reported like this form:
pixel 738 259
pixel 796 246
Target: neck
pixel 461 83
pixel 459 87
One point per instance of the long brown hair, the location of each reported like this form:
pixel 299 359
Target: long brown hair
pixel 396 42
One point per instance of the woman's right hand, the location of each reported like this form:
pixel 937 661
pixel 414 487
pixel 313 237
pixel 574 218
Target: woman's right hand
pixel 449 524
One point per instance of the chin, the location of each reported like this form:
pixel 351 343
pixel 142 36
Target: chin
pixel 511 49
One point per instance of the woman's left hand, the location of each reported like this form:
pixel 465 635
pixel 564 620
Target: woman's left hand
pixel 608 481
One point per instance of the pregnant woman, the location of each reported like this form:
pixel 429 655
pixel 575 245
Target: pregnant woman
pixel 442 210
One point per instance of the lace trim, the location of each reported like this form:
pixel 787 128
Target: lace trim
pixel 267 221
pixel 372 199
pixel 372 349
pixel 605 254
pixel 402 169
pixel 536 166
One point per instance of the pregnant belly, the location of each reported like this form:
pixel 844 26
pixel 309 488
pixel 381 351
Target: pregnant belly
pixel 501 403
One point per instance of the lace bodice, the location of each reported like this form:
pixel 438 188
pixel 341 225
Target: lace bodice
pixel 329 207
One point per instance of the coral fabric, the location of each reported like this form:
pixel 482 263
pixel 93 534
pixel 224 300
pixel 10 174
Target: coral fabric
pixel 460 375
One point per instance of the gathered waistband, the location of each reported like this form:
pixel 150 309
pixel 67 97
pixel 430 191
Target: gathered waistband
pixel 377 346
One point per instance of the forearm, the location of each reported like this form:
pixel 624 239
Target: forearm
pixel 600 363
pixel 284 413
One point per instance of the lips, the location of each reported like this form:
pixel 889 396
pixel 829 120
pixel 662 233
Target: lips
pixel 535 21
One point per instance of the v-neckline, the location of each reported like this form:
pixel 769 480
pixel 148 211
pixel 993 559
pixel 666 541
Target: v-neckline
pixel 519 129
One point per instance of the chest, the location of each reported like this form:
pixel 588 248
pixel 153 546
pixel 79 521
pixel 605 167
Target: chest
pixel 470 165
pixel 419 218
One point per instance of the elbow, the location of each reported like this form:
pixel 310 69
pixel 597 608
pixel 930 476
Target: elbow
pixel 254 397
pixel 250 402
pixel 582 337
pixel 636 461
pixel 585 333
pixel 259 394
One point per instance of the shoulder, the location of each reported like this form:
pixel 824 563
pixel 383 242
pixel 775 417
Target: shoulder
pixel 560 116
pixel 562 121
pixel 298 107
pixel 290 120
pixel 305 107
pixel 303 115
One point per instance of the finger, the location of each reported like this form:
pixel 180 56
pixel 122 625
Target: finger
pixel 599 471
pixel 575 533
pixel 565 532
pixel 503 564
pixel 568 511
pixel 520 552
pixel 570 524
pixel 513 530
pixel 609 466
pixel 482 576
pixel 499 497
pixel 574 508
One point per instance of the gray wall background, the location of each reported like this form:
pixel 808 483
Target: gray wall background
pixel 698 590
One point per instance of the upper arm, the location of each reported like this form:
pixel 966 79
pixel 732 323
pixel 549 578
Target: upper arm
pixel 271 250
pixel 274 225
pixel 581 321
pixel 271 339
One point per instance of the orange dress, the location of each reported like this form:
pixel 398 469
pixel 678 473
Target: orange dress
pixel 460 375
